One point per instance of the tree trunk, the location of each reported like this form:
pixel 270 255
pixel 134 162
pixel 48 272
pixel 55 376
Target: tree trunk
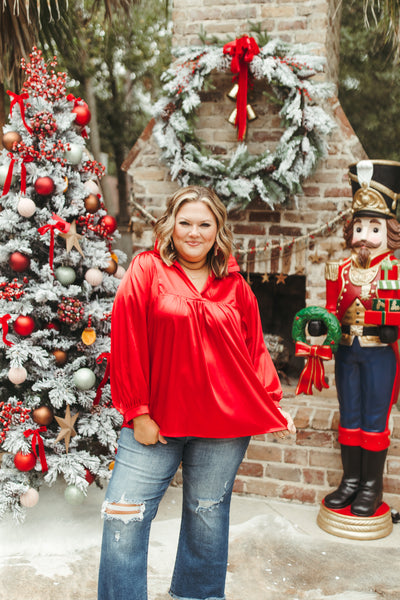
pixel 123 188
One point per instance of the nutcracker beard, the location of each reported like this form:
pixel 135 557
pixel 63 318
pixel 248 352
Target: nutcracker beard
pixel 363 252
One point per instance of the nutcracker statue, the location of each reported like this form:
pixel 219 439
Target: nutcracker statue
pixel 363 292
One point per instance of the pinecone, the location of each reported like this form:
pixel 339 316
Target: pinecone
pixel 167 111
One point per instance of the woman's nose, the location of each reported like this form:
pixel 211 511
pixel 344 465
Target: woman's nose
pixel 194 230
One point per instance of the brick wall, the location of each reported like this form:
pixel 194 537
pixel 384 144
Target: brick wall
pixel 303 468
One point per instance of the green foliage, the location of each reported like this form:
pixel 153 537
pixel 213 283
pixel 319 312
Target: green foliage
pixel 369 85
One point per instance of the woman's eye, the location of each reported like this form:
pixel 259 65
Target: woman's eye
pixel 205 225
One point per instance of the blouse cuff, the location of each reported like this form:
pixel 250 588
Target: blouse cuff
pixel 136 411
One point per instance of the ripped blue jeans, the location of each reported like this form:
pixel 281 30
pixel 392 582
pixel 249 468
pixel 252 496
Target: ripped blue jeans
pixel 139 480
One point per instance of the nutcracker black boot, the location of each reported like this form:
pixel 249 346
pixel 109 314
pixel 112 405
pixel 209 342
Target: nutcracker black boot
pixel 348 488
pixel 369 496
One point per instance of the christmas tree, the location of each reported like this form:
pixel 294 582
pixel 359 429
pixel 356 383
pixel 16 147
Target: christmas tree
pixel 58 278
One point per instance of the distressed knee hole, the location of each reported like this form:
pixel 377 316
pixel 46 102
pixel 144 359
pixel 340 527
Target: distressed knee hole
pixel 209 504
pixel 123 511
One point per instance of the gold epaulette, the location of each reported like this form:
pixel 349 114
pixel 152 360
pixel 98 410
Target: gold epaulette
pixel 332 271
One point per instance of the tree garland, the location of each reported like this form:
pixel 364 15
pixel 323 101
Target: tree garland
pixel 271 176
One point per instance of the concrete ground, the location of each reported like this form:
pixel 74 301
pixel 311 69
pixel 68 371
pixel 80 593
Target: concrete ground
pixel 277 552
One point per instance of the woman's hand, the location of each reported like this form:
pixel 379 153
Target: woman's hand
pixel 291 428
pixel 146 431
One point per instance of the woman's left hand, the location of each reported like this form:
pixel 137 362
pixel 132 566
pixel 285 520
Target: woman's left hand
pixel 291 428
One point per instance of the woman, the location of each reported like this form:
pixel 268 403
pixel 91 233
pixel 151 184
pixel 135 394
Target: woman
pixel 191 374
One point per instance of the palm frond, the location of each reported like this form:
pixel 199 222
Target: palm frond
pixel 386 16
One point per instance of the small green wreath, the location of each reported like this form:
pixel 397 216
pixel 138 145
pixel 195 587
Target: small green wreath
pixel 334 331
pixel 271 176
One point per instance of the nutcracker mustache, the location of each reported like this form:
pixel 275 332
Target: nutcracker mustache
pixel 364 252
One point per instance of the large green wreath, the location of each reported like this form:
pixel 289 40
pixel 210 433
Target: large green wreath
pixel 271 176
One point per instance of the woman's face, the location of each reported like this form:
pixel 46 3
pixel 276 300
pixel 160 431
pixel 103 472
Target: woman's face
pixel 194 232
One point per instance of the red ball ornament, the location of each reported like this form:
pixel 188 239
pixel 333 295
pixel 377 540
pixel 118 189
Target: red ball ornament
pixel 19 262
pixel 24 325
pixel 89 476
pixel 82 114
pixel 44 186
pixel 109 223
pixel 24 462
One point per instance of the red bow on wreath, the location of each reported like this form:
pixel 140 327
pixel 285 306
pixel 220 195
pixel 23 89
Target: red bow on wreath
pixel 313 373
pixel 37 440
pixel 242 51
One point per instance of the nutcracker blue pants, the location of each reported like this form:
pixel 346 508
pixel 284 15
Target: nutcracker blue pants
pixel 364 381
pixel 139 480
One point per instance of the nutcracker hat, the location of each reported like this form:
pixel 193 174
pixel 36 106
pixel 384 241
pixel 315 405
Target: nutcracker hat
pixel 376 188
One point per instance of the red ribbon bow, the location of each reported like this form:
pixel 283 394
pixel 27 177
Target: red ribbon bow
pixel 37 441
pixel 103 356
pixel 61 225
pixel 25 159
pixel 242 51
pixel 7 183
pixel 4 324
pixel 19 99
pixel 313 373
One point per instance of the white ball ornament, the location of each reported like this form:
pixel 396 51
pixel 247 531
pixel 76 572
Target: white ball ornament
pixel 26 207
pixel 92 187
pixel 30 498
pixel 74 154
pixel 94 276
pixel 3 175
pixel 65 275
pixel 17 375
pixel 73 495
pixel 84 378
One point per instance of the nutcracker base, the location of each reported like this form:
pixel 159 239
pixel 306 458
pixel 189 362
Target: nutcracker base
pixel 343 524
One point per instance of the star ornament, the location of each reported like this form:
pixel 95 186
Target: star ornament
pixel 67 427
pixel 72 238
pixel 281 278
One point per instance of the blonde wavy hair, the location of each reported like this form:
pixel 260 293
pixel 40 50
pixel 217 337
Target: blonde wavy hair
pixel 164 227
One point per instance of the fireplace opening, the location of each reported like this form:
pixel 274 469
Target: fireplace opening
pixel 278 304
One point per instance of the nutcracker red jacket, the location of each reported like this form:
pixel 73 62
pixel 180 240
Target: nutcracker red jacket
pixel 196 362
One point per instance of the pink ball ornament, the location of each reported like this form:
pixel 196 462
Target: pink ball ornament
pixel 30 498
pixel 17 375
pixel 92 187
pixel 120 272
pixel 94 276
pixel 26 207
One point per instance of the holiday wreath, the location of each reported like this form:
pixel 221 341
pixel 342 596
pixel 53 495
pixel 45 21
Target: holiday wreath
pixel 271 176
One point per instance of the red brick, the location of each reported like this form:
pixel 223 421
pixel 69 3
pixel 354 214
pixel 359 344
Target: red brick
pixel 283 472
pixel 270 452
pixel 334 477
pixel 249 229
pixel 298 456
pixel 393 466
pixel 298 493
pixel 322 419
pixel 391 484
pixel 314 438
pixel 337 192
pixel 265 216
pixel 238 486
pixel 288 231
pixel 264 488
pixel 314 476
pixel 303 417
pixel 323 458
pixel 251 469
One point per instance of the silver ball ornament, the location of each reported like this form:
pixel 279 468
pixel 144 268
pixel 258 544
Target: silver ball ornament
pixel 84 378
pixel 3 175
pixel 73 495
pixel 74 154
pixel 65 275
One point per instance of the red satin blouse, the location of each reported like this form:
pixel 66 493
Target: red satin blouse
pixel 196 362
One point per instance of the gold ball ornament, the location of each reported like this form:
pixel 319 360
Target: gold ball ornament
pixel 112 267
pixel 92 203
pixel 60 356
pixel 42 415
pixel 9 138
